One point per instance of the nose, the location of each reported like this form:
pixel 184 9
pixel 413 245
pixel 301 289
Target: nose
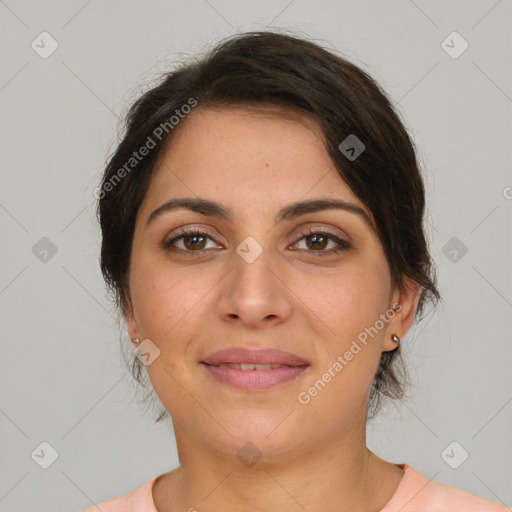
pixel 253 294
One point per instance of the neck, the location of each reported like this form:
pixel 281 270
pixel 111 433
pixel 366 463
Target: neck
pixel 337 474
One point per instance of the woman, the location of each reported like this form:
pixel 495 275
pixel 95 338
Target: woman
pixel 263 238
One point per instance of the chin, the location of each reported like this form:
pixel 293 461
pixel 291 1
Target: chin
pixel 267 439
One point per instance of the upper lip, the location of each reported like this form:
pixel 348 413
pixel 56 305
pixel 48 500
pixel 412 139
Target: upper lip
pixel 261 356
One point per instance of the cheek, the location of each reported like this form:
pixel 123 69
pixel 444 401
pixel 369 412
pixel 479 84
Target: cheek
pixel 163 299
pixel 348 303
pixel 349 299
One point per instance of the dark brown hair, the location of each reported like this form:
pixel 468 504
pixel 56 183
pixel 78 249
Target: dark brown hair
pixel 260 68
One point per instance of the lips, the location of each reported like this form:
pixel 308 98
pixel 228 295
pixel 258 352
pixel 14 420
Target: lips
pixel 244 356
pixel 254 369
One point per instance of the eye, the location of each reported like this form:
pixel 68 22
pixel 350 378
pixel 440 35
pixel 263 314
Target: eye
pixel 194 241
pixel 317 241
pixel 189 240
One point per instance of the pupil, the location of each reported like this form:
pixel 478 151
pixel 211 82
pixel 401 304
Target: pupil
pixel 315 241
pixel 195 239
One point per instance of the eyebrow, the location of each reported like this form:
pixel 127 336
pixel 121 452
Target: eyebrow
pixel 288 213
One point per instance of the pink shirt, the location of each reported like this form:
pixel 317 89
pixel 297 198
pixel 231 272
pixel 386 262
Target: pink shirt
pixel 414 494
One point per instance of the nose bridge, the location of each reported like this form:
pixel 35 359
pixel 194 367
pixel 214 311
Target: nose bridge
pixel 253 293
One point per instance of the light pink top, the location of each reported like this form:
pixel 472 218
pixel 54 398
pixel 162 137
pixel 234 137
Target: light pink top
pixel 414 494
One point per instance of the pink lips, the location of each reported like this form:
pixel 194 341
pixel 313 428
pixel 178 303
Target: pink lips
pixel 254 379
pixel 260 356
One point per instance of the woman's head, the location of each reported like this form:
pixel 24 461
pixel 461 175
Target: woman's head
pixel 265 121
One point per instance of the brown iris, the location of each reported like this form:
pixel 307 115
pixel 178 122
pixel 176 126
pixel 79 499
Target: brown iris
pixel 316 244
pixel 194 242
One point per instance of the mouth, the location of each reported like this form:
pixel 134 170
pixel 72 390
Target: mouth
pixel 254 370
pixel 251 378
pixel 245 357
pixel 250 366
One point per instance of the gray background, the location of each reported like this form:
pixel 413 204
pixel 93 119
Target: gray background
pixel 62 377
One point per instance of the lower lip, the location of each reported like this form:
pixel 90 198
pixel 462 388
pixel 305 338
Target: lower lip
pixel 254 379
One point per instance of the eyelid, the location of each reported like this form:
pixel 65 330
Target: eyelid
pixel 186 230
pixel 313 227
pixel 342 244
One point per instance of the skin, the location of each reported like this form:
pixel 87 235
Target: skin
pixel 314 455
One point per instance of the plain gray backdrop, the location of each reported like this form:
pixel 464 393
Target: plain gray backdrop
pixel 63 380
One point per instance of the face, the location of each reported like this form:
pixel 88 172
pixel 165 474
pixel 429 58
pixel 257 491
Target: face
pixel 308 281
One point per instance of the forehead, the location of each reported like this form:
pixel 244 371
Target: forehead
pixel 258 157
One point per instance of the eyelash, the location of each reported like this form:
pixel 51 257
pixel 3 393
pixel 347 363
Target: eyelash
pixel 343 245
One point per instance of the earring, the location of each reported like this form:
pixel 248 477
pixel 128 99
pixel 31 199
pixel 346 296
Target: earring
pixel 136 340
pixel 396 339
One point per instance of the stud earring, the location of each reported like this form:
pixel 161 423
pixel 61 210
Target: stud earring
pixel 396 339
pixel 136 340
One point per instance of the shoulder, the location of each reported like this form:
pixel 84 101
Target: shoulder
pixel 140 499
pixel 451 498
pixel 418 494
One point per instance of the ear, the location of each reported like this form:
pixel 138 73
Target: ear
pixel 131 323
pixel 404 305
